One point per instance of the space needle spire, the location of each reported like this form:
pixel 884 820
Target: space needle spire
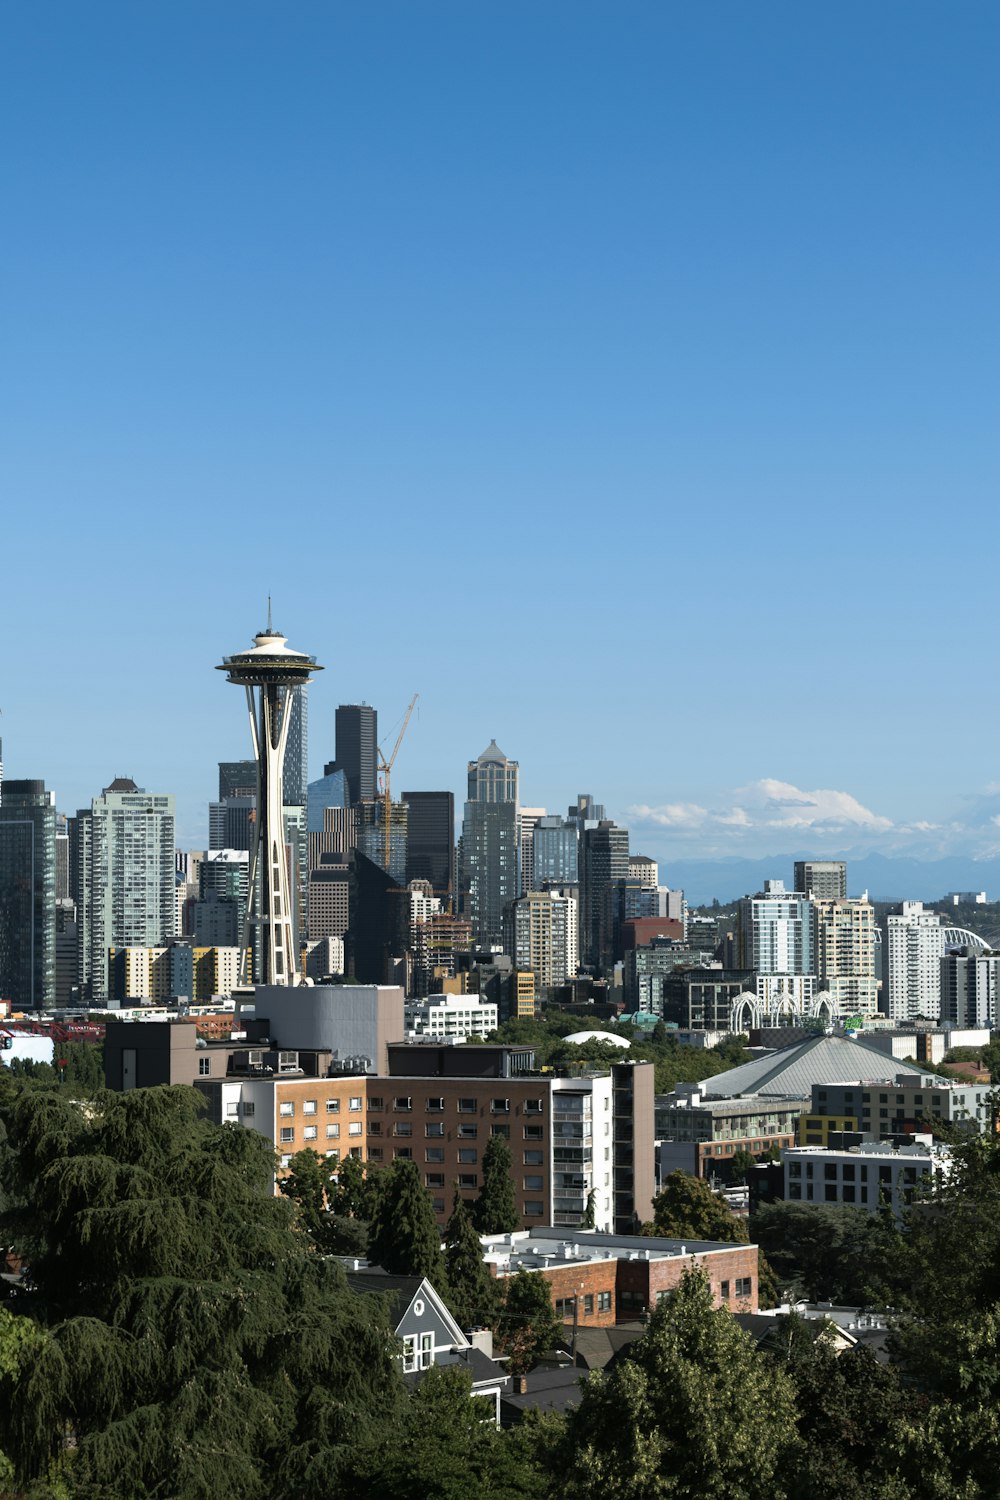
pixel 269 671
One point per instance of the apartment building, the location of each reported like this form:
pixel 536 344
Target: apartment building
pixel 699 1135
pixel 867 1175
pixel 903 1103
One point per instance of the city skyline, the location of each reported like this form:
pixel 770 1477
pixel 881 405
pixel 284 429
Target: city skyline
pixel 679 349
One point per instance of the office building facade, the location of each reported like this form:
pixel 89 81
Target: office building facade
pixel 823 879
pixel 28 894
pixel 603 862
pixel 356 728
pixel 430 845
pixel 555 853
pixel 490 843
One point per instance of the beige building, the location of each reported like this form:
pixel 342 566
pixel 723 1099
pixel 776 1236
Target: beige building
pixel 845 955
pixel 541 931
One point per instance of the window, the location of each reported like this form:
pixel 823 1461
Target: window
pixel 534 1106
pixel 503 1130
pixel 286 1161
pixel 309 1133
pixel 232 1109
pixel 354 1128
pixel 500 1106
pixel 724 1291
pixel 534 1158
pixel 435 1105
pixel 248 1109
pixel 355 1101
pixel 604 1302
pixel 744 1286
pixel 204 1066
pixel 355 1151
pixel 374 1127
pixel 332 1132
pixel 374 1153
pixel 534 1209
pixel 467 1106
pixel 286 1107
pixel 468 1180
pixel 402 1127
pixel 588 1303
pixel 402 1101
pixel 434 1179
pixel 434 1153
pixel 468 1132
pixel 287 1135
pixel 418 1352
pixel 403 1153
pixel 533 1184
pixel 333 1106
pixel 309 1106
pixel 436 1127
pixel 534 1132
pixel 565 1307
pixel 375 1102
pixel 437 1204
pixel 469 1156
pixel 333 1156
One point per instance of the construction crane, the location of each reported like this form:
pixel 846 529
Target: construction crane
pixel 385 766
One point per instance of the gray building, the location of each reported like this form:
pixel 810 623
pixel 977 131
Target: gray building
pixel 826 879
pixel 490 842
pixel 28 894
pixel 430 844
pixel 603 862
pixel 356 726
pixel 556 858
pixel 969 981
pixel 126 854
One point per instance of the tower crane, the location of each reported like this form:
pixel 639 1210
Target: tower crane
pixel 385 767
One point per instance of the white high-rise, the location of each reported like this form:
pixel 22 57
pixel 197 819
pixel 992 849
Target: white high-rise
pixel 915 944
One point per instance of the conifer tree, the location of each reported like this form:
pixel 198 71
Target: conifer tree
pixel 527 1327
pixel 496 1209
pixel 404 1237
pixel 472 1291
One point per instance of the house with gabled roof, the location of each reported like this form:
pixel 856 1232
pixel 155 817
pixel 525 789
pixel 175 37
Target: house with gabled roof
pixel 430 1335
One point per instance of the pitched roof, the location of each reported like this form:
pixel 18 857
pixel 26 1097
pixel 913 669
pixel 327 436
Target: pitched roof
pixel 791 1071
pixel 492 752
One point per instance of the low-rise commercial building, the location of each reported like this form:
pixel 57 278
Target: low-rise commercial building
pixel 894 1106
pixel 868 1175
pixel 451 1016
pixel 598 1280
pixel 699 1135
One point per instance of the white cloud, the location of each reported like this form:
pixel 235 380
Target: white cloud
pixel 779 804
pixel 671 815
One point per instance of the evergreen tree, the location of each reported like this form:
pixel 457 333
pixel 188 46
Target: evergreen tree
pixel 404 1237
pixel 590 1213
pixel 309 1184
pixel 193 1338
pixel 527 1327
pixel 496 1209
pixel 692 1410
pixel 472 1291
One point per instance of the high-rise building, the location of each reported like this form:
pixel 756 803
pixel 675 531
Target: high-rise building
pixel 125 852
pixel 555 853
pixel 970 980
pixel 326 792
pixel 541 935
pixel 603 861
pixel 28 894
pixel 295 766
pixel 586 812
pixel 430 846
pixel 490 842
pixel 644 870
pixel 844 948
pixel 915 944
pixel 356 728
pixel 528 819
pixel 824 879
pixel 372 831
pixel 775 932
pixel 232 823
pixel 237 778
pixel 221 908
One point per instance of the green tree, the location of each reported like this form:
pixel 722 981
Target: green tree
pixel 527 1327
pixel 590 1213
pixel 472 1291
pixel 191 1331
pixel 404 1236
pixel 687 1208
pixel 832 1252
pixel 692 1410
pixel 496 1210
pixel 309 1184
pixel 740 1165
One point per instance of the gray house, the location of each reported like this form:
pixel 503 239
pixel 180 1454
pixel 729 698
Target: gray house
pixel 430 1335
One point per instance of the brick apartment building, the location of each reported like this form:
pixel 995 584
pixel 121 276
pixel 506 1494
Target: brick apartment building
pixel 598 1280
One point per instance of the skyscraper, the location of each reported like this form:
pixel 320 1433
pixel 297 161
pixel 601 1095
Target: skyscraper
pixel 555 853
pixel 295 766
pixel 541 935
pixel 430 847
pixel 527 822
pixel 845 955
pixel 603 861
pixel 28 894
pixel 125 850
pixel 356 727
pixel 490 842
pixel 775 932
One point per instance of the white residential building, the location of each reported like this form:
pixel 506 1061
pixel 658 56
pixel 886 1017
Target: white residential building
pixel 969 982
pixel 541 934
pixel 451 1016
pixel 868 1175
pixel 915 947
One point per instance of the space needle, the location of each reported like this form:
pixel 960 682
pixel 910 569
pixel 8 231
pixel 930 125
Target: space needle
pixel 269 670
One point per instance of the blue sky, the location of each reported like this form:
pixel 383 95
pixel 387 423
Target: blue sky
pixel 622 377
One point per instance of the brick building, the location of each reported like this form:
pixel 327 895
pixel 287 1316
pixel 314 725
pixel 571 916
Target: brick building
pixel 598 1280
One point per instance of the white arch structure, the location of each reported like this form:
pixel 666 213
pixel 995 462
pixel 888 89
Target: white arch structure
pixel 961 937
pixel 749 1012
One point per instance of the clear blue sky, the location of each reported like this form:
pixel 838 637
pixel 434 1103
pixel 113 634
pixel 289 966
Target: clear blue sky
pixel 622 376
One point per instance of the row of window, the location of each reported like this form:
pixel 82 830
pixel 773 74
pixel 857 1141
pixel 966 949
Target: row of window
pixel 403 1104
pixel 565 1306
pixel 286 1133
pixel 310 1106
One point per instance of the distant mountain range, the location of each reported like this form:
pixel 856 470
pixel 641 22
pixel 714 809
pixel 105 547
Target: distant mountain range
pixel 885 878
